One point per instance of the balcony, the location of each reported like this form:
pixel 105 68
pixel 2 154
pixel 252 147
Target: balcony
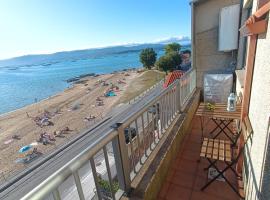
pixel 130 158
pixel 187 176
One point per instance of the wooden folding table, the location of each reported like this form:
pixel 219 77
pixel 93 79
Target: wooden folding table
pixel 221 118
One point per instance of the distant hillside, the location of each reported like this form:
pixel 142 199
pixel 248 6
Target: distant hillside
pixel 46 59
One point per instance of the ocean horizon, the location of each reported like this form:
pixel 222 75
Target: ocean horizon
pixel 29 79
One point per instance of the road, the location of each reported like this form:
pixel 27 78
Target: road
pixel 40 170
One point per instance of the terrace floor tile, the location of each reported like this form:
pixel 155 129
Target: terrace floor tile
pixel 187 176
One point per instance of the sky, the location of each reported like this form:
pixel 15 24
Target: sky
pixel 47 26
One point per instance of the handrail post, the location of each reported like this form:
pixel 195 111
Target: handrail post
pixel 182 93
pixel 178 98
pixel 118 163
pixel 122 160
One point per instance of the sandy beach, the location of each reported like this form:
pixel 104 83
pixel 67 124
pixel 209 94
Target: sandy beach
pixel 58 118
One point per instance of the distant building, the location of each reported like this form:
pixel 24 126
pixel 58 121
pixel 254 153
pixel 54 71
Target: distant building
pixel 186 60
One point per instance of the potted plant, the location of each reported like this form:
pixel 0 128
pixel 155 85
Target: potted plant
pixel 106 190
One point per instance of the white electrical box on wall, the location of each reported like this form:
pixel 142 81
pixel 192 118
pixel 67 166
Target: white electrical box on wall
pixel 228 28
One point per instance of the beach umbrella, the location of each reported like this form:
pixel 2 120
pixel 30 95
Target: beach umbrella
pixel 25 148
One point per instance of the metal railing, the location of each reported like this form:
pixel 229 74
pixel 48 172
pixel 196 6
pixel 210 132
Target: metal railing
pixel 187 85
pixel 105 169
pixel 160 83
pixel 256 188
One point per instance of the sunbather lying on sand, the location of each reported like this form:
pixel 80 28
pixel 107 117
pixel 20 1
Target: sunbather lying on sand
pixel 46 138
pixel 91 117
pixel 61 132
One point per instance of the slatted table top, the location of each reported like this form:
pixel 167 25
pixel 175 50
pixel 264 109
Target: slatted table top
pixel 216 149
pixel 220 111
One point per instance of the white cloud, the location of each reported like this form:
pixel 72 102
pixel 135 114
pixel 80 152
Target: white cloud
pixel 173 39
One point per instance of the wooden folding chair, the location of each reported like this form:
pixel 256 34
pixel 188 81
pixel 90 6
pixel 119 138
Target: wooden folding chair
pixel 215 150
pixel 223 126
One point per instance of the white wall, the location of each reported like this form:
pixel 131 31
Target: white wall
pixel 259 112
pixel 205 40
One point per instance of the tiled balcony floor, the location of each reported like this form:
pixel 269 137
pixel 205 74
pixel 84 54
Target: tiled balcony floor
pixel 187 175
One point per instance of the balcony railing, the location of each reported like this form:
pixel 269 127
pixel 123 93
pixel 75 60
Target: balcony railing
pixel 144 93
pixel 106 168
pixel 187 85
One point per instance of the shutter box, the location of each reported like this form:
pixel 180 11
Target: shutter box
pixel 228 28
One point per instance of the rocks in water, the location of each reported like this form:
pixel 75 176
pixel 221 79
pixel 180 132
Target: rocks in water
pixel 72 80
pixel 81 82
pixel 77 78
pixel 85 75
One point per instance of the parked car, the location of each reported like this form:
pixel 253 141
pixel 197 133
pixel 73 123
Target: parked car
pixel 154 110
pixel 133 133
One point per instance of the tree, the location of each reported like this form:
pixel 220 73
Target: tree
pixel 173 47
pixel 176 58
pixel 148 57
pixel 169 62
pixel 165 63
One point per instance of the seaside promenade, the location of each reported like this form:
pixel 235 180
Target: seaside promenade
pixel 65 116
pixel 60 118
pixel 119 115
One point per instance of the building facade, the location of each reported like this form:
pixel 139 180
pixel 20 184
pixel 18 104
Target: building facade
pixel 205 36
pixel 253 79
pixel 257 168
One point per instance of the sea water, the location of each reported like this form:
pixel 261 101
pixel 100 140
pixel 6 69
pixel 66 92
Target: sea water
pixel 22 85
